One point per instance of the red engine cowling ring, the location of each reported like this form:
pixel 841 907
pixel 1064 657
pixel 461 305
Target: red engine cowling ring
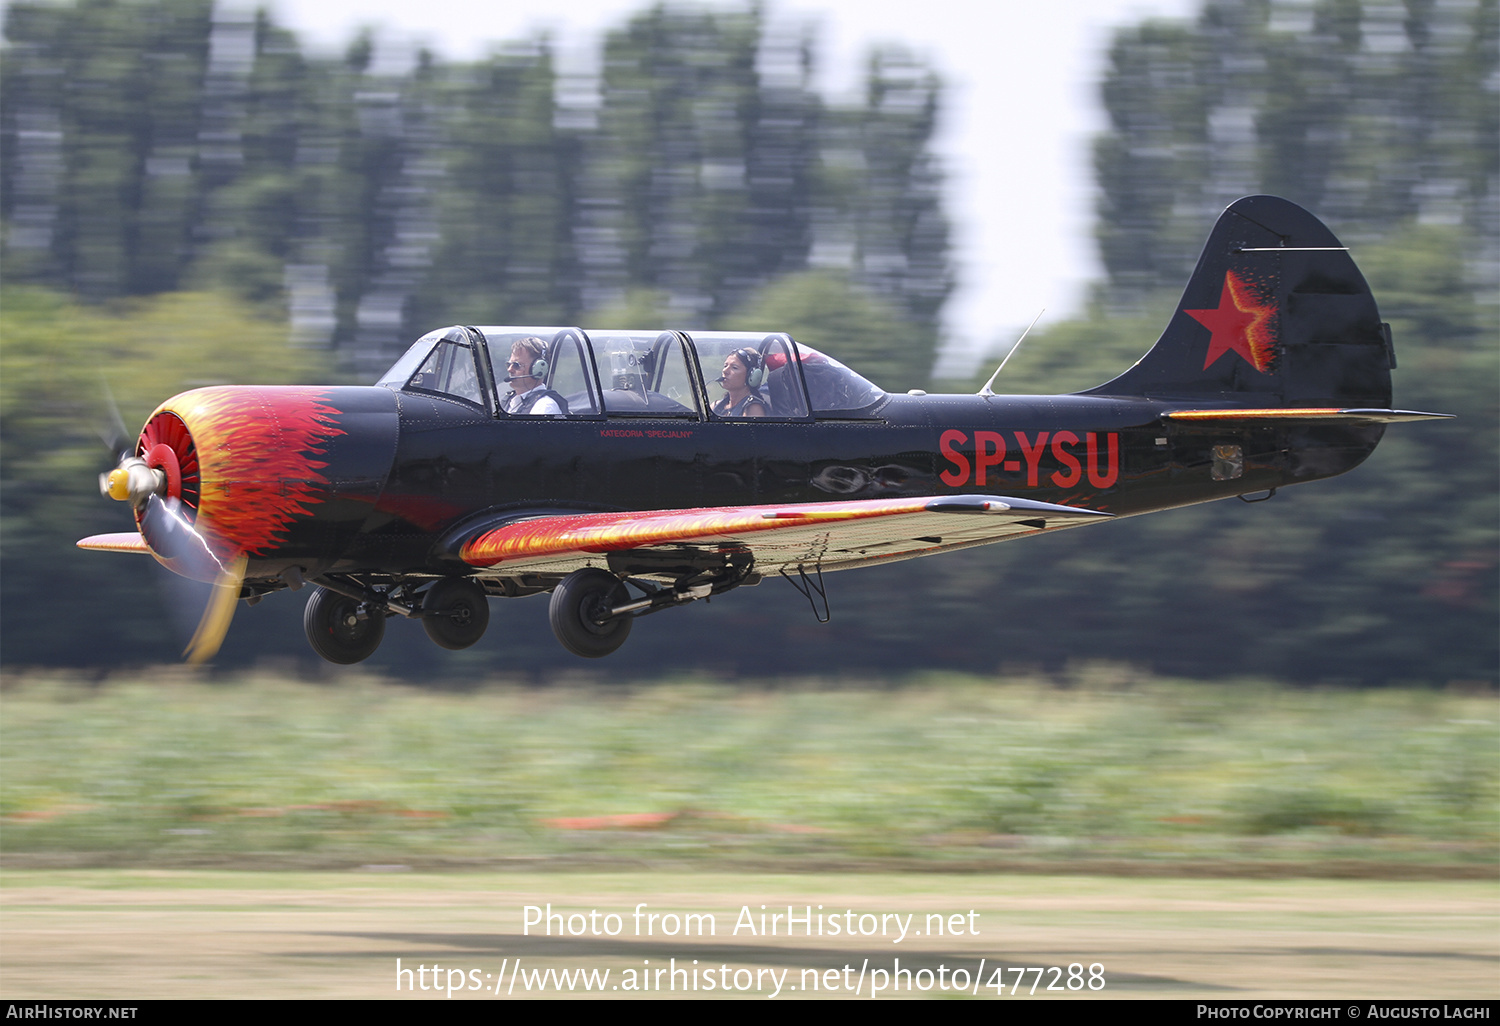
pixel 167 444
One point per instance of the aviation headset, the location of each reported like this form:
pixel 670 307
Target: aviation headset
pixel 755 368
pixel 538 350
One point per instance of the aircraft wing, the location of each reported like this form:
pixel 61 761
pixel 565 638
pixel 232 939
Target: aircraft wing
pixel 833 535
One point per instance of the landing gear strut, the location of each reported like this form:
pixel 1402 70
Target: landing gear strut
pixel 341 629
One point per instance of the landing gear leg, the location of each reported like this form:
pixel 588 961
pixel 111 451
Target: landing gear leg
pixel 580 613
pixel 341 629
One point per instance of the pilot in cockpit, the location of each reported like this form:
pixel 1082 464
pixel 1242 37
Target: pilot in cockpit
pixel 743 375
pixel 526 373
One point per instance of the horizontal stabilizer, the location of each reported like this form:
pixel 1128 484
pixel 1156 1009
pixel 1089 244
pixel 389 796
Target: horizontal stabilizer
pixel 128 541
pixel 1305 414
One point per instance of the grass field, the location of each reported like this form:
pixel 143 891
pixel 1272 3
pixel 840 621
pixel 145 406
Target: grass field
pixel 1102 771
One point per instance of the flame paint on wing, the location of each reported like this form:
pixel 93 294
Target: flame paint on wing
pixel 599 533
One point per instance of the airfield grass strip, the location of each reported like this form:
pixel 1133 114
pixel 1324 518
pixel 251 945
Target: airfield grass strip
pixel 1105 771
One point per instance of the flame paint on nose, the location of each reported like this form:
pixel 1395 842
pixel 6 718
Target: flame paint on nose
pixel 257 450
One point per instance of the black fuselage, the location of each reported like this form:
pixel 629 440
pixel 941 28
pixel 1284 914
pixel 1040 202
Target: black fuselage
pixel 452 464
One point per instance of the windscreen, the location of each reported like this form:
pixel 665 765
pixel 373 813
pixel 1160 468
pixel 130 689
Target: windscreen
pixel 401 371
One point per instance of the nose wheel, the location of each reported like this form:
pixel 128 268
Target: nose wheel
pixel 579 613
pixel 341 629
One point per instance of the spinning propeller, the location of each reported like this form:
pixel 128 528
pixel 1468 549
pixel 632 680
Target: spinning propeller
pixel 160 480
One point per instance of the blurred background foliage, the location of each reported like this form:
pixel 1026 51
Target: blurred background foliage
pixel 187 196
pixel 161 144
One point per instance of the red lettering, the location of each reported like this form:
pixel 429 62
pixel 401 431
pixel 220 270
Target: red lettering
pixel 982 461
pixel 1112 472
pixel 1033 454
pixel 959 475
pixel 1067 459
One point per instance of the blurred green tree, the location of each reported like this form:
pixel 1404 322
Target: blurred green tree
pixel 509 176
pixel 667 195
pixel 101 112
pixel 1369 114
pixel 895 211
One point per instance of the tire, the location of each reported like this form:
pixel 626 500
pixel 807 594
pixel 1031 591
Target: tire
pixel 467 613
pixel 576 603
pixel 327 621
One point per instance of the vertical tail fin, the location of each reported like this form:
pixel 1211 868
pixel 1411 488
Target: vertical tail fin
pixel 1276 314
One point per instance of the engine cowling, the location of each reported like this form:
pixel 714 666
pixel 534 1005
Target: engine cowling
pixel 281 475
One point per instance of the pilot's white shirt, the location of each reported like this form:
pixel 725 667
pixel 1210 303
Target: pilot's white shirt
pixel 545 406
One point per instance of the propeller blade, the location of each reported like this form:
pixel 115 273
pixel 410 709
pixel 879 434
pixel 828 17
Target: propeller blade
pixel 185 551
pixel 214 624
pixel 113 433
pixel 173 537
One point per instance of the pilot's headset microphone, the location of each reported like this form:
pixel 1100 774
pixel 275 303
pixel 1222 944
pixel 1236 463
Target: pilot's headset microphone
pixel 755 369
pixel 538 350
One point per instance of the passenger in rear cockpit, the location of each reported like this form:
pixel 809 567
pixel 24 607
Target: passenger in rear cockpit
pixel 744 373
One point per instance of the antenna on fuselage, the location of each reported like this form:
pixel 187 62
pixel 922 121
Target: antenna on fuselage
pixel 987 390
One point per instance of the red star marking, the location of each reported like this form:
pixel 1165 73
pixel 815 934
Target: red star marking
pixel 1240 324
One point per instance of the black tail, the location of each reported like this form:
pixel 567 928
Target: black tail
pixel 1276 314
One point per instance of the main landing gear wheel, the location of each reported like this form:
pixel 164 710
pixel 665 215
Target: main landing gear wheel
pixel 335 630
pixel 456 612
pixel 579 605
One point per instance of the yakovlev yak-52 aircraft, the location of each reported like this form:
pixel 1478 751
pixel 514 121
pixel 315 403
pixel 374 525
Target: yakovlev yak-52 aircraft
pixel 612 473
